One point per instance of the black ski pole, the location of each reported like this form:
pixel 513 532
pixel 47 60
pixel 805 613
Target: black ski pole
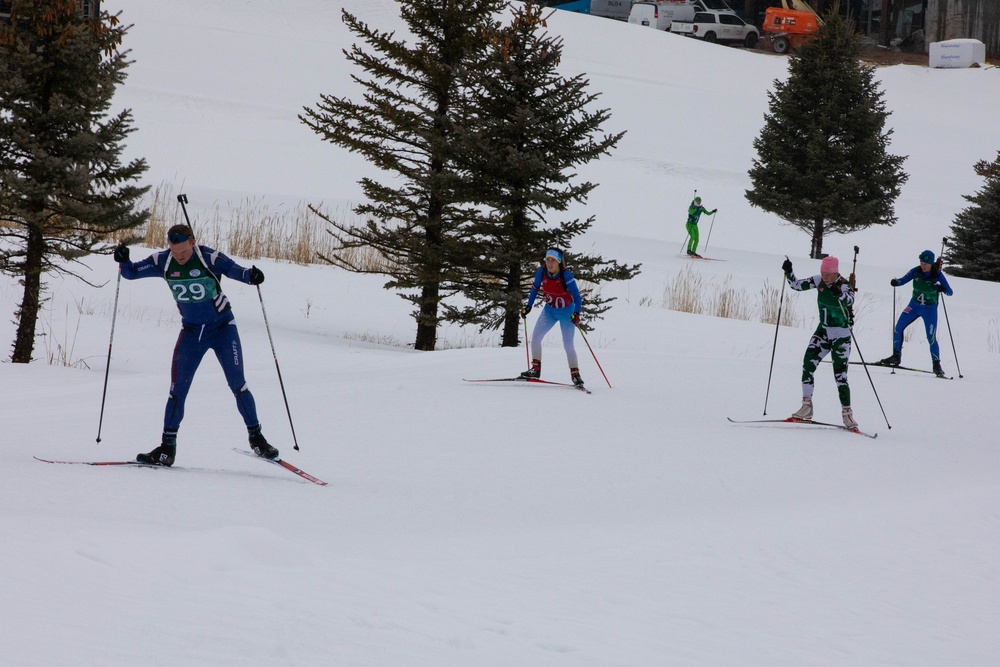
pixel 865 366
pixel 774 348
pixel 945 306
pixel 944 242
pixel 707 240
pixel 892 330
pixel 107 367
pixel 277 367
pixel 183 199
pixel 687 236
pixel 854 268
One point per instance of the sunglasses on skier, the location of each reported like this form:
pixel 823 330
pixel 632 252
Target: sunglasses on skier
pixel 177 237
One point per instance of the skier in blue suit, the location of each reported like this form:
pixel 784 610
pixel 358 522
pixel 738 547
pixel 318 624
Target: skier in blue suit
pixel 562 305
pixel 928 283
pixel 193 274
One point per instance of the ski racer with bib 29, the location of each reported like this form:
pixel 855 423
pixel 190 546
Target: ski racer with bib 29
pixel 832 336
pixel 193 273
pixel 562 304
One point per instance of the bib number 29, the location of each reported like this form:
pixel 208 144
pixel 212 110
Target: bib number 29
pixel 189 293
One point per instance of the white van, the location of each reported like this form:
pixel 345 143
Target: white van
pixel 660 15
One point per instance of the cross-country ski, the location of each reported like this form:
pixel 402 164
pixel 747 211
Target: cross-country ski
pixel 134 464
pixel 707 259
pixel 534 381
pixel 281 463
pixel 803 422
pixel 879 364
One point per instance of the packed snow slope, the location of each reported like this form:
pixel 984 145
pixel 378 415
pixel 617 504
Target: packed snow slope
pixel 507 524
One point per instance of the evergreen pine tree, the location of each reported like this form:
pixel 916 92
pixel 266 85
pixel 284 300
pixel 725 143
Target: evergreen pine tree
pixel 822 162
pixel 974 248
pixel 63 189
pixel 527 127
pixel 406 125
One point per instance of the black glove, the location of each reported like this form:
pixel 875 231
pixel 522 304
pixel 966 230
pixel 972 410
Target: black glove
pixel 256 276
pixel 786 266
pixel 894 282
pixel 575 319
pixel 121 253
pixel 715 211
pixel 525 311
pixel 940 288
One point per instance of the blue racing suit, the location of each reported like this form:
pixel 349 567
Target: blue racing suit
pixel 923 304
pixel 206 324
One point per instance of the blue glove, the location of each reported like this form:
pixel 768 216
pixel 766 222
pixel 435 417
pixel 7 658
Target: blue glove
pixel 256 276
pixel 121 253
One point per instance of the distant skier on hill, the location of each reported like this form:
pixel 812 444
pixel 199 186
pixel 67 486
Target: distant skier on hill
pixel 832 336
pixel 928 283
pixel 694 214
pixel 193 274
pixel 562 304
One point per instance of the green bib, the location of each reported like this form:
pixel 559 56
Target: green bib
pixel 191 282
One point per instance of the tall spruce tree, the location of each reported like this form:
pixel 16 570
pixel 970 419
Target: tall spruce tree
pixel 63 188
pixel 822 161
pixel 406 125
pixel 974 248
pixel 527 128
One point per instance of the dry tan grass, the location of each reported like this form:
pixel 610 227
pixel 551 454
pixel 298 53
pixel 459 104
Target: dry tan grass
pixel 685 292
pixel 732 303
pixel 771 302
pixel 250 229
pixel 689 292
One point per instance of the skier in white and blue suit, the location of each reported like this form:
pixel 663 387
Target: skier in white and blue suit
pixel 562 304
pixel 193 274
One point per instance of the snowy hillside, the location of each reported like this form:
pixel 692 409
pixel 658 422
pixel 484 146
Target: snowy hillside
pixel 507 525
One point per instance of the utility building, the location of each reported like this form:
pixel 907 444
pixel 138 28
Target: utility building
pixel 965 19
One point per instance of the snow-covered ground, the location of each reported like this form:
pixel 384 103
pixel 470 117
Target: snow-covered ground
pixel 507 525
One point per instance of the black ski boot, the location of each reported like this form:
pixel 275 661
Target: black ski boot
pixel 534 372
pixel 574 374
pixel 892 360
pixel 260 445
pixel 938 371
pixel 163 455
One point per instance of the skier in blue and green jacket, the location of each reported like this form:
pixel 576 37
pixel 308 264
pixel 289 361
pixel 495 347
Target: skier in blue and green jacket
pixel 193 274
pixel 928 283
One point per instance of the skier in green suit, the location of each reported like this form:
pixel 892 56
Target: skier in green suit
pixel 694 214
pixel 832 336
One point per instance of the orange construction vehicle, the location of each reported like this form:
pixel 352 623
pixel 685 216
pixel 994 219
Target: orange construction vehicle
pixel 791 24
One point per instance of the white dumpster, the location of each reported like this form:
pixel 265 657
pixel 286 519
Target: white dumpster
pixel 956 53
